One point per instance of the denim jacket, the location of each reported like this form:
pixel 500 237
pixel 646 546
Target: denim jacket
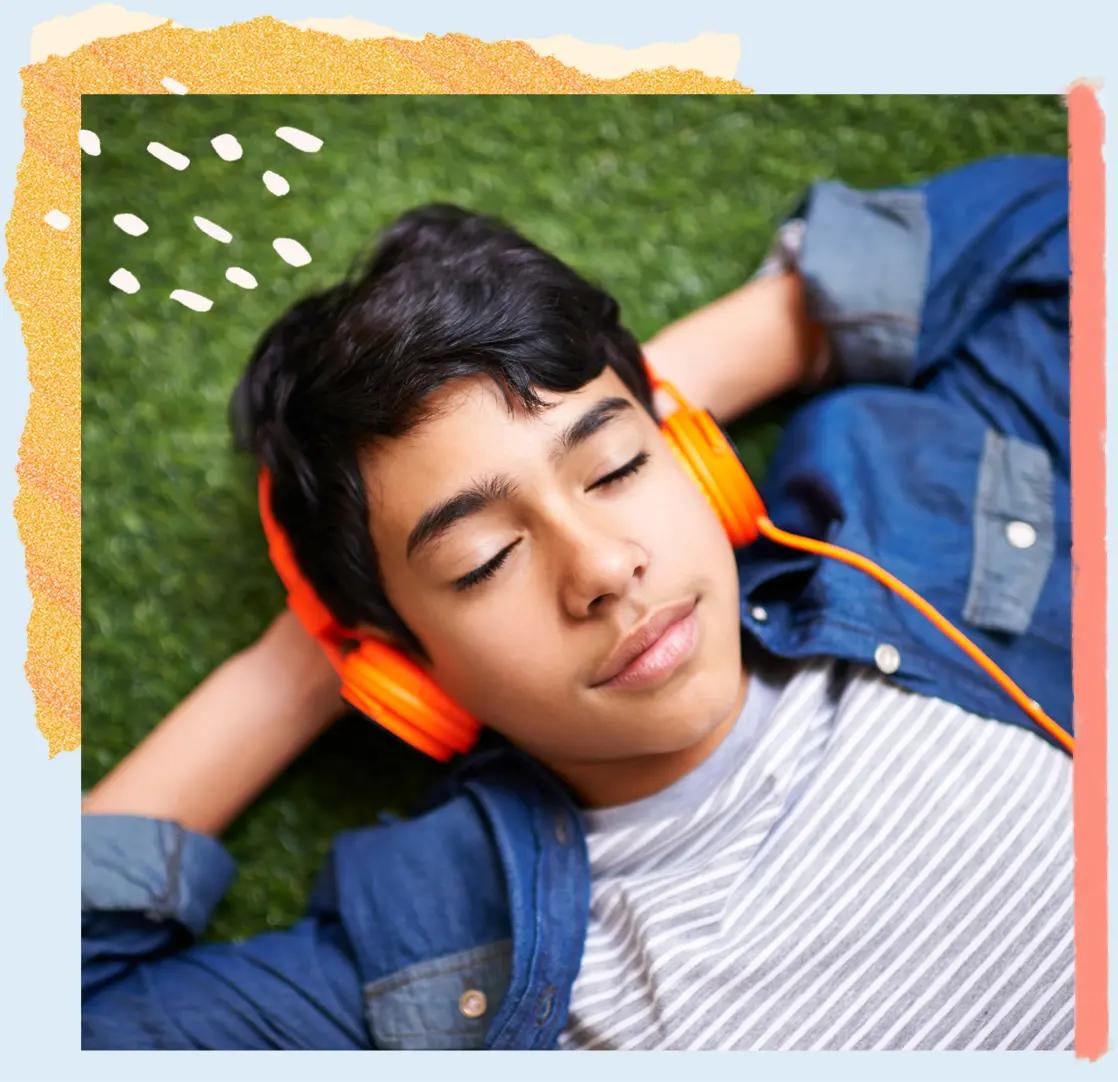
pixel 942 452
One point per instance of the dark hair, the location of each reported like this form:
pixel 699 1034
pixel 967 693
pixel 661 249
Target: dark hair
pixel 445 294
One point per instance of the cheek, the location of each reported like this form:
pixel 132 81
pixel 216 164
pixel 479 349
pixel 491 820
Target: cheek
pixel 692 548
pixel 495 656
pixel 676 511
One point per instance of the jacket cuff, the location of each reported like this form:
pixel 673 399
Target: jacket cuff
pixel 154 866
pixel 863 258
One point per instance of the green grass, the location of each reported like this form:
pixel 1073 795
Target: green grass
pixel 667 202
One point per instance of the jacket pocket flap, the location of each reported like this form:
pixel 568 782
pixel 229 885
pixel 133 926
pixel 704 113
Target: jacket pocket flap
pixel 1014 540
pixel 444 1003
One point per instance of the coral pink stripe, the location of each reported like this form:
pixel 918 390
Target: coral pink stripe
pixel 1088 507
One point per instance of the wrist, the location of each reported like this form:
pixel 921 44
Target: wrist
pixel 292 669
pixel 811 348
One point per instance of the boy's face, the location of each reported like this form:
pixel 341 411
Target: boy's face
pixel 530 648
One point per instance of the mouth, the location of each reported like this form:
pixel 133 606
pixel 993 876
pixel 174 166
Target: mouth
pixel 654 651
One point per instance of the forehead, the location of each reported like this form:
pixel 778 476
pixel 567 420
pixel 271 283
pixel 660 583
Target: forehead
pixel 470 432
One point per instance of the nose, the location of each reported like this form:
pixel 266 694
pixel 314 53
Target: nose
pixel 598 568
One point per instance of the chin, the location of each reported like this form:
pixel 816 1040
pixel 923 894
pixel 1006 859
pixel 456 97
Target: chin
pixel 691 715
pixel 716 696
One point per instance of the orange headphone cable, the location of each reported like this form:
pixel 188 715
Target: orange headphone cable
pixel 824 548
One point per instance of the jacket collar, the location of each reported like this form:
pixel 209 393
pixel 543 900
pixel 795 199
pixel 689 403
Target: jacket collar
pixel 538 832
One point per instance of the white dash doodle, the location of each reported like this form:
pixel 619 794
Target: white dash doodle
pixel 241 277
pixel 276 184
pixel 227 147
pixel 212 229
pixel 173 85
pixel 291 251
pixel 124 280
pixel 300 140
pixel 168 156
pixel 56 219
pixel 89 141
pixel 133 226
pixel 192 300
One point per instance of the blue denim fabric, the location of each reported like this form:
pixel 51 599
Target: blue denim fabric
pixel 963 331
pixel 946 311
pixel 487 891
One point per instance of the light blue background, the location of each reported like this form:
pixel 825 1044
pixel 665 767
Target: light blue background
pixel 858 46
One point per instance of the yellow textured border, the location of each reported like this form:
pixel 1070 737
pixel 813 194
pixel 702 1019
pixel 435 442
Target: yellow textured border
pixel 264 56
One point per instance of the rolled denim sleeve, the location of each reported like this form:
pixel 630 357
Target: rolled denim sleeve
pixel 863 257
pixel 901 278
pixel 147 884
pixel 148 889
pixel 153 866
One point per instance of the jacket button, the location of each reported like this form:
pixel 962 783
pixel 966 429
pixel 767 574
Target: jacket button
pixel 561 834
pixel 759 613
pixel 887 658
pixel 1021 535
pixel 547 1001
pixel 472 1003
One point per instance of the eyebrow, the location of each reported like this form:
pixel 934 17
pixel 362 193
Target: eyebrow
pixel 436 520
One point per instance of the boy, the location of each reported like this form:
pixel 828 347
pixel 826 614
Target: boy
pixel 737 799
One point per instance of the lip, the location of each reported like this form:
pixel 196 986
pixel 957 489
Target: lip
pixel 653 649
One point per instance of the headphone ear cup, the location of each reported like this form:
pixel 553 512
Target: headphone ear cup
pixel 394 692
pixel 377 679
pixel 710 458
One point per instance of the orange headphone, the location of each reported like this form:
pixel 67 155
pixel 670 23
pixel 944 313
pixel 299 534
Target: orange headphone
pixel 391 689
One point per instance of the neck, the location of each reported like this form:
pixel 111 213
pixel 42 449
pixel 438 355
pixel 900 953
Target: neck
pixel 620 781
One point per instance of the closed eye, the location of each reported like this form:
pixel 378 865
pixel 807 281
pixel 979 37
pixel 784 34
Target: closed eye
pixel 487 569
pixel 630 467
pixel 491 567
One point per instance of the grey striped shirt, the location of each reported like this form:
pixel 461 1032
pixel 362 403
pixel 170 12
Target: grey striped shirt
pixel 855 866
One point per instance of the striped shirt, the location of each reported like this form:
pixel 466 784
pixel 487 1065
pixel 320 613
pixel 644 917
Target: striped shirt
pixel 855 867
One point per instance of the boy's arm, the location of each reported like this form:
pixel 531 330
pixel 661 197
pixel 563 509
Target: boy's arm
pixel 152 873
pixel 229 737
pixel 837 299
pixel 152 868
pixel 748 346
pixel 881 286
